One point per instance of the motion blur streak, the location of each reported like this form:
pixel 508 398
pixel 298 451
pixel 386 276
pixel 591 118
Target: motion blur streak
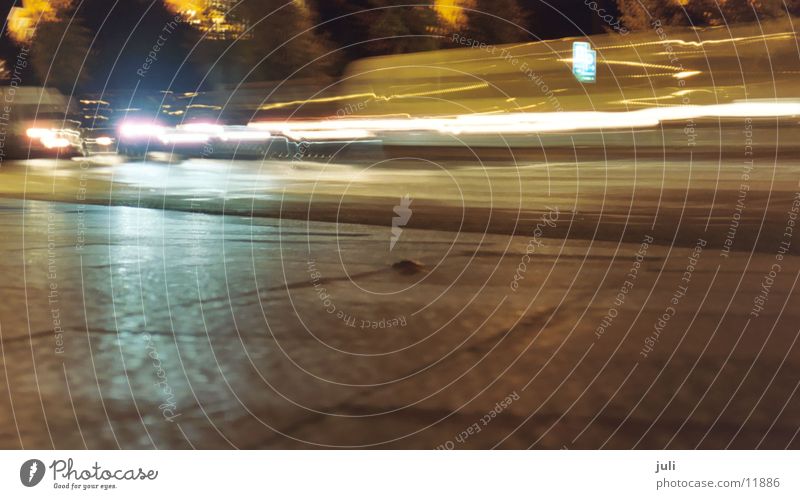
pixel 140 130
pixel 529 122
pixel 372 95
pixel 692 43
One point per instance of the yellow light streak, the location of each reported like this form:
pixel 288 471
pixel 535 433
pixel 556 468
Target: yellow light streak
pixel 526 123
pixel 372 95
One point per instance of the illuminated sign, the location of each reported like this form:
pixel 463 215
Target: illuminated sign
pixel 584 62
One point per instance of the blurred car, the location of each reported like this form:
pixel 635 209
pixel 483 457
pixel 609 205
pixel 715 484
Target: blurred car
pixel 37 123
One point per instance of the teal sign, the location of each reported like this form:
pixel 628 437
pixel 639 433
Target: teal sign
pixel 584 62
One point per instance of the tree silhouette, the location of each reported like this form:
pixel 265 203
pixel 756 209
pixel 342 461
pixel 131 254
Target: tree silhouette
pixel 497 21
pixel 58 51
pixel 283 31
pixel 366 28
pixel 640 14
pixel 398 30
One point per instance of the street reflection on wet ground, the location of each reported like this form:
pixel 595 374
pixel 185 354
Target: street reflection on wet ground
pixel 172 326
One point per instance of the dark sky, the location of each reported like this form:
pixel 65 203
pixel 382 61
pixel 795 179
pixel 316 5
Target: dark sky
pixel 549 19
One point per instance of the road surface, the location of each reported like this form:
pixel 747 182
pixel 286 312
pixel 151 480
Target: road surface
pixel 202 303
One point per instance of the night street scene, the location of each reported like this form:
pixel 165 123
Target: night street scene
pixel 375 224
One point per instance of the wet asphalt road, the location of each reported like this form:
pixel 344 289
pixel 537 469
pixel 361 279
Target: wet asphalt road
pixel 136 315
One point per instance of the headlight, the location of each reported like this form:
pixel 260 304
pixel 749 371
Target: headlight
pixel 140 130
pixel 52 142
pixel 38 133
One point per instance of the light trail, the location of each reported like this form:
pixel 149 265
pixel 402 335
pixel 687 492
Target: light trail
pixel 521 123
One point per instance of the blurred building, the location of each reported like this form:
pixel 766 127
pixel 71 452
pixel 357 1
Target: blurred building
pixel 214 17
pixel 22 20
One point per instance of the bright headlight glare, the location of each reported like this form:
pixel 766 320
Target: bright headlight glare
pixel 55 142
pixel 38 133
pixel 140 130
